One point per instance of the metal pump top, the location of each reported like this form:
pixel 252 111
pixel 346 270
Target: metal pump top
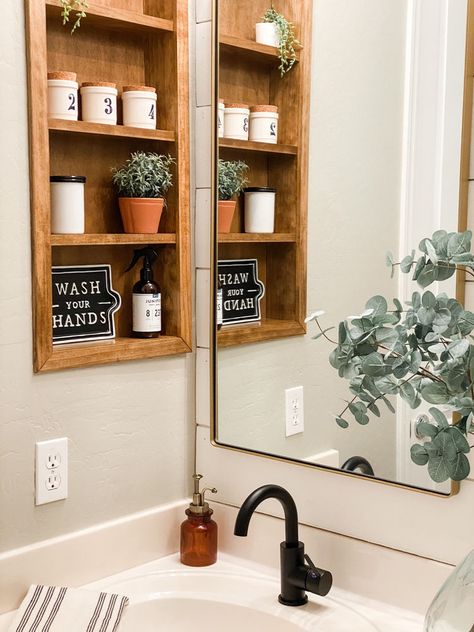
pixel 199 506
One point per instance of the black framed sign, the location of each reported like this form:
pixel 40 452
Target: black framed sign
pixel 84 303
pixel 242 291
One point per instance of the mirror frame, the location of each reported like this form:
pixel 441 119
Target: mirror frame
pixel 467 121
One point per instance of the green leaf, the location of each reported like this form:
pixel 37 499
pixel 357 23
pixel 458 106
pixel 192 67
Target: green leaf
pixel 378 304
pixel 445 271
pixel 439 417
pixel 459 243
pixel 342 333
pixel 459 468
pixel 435 393
pixel 427 276
pixel 388 404
pixel 406 264
pixel 398 305
pixel 428 299
pixel 419 455
pixel 427 430
pixel 389 259
pixel 420 265
pixel 431 252
pixel 374 409
pixel 438 469
pixel 458 348
pixel 342 423
pixel 408 393
pixel 426 316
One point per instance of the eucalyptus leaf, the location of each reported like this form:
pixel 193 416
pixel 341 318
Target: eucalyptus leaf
pixel 419 455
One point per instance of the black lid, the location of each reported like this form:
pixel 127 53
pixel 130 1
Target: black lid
pixel 81 179
pixel 260 190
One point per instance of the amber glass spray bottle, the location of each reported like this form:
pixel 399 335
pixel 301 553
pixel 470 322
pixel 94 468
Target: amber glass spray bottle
pixel 199 531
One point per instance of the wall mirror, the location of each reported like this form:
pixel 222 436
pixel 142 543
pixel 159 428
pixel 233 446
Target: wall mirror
pixel 349 143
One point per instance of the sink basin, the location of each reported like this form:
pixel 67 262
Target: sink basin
pixel 174 601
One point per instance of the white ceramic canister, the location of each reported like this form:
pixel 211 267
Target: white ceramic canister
pixel 267 33
pixel 236 121
pixel 139 106
pixel 220 118
pixel 264 124
pixel 99 102
pixel 67 204
pixel 260 210
pixel 62 96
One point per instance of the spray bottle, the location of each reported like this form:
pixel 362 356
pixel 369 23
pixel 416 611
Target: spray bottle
pixel 146 297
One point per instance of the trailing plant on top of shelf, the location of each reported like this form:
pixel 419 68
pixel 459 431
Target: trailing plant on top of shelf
pixel 287 39
pixel 144 175
pixel 422 352
pixel 68 7
pixel 232 178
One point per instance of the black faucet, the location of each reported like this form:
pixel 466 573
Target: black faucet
pixel 296 575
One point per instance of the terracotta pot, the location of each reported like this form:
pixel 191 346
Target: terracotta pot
pixel 141 215
pixel 225 215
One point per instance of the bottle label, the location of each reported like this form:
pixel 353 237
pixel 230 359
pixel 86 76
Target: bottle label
pixel 219 314
pixel 147 313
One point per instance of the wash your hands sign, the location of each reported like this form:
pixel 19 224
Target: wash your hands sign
pixel 242 291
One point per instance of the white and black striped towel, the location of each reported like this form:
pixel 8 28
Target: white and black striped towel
pixel 52 609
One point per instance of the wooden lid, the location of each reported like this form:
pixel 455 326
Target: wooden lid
pixel 264 108
pixel 240 106
pixel 98 84
pixel 221 100
pixel 63 75
pixel 138 89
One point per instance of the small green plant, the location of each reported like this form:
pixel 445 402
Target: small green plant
pixel 144 175
pixel 232 178
pixel 68 7
pixel 287 38
pixel 422 352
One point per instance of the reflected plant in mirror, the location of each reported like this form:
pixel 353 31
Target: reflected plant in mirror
pixel 232 180
pixel 423 353
pixel 286 35
pixel 68 7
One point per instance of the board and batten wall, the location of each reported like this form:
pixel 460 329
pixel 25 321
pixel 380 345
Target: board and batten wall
pixel 355 158
pixel 130 425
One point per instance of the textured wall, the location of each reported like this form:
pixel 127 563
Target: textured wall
pixel 354 175
pixel 130 425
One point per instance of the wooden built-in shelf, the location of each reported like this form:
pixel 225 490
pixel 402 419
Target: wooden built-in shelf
pixel 266 148
pixel 260 238
pixel 113 18
pixel 120 131
pixel 108 239
pixel 267 329
pixel 117 350
pixel 124 42
pixel 249 49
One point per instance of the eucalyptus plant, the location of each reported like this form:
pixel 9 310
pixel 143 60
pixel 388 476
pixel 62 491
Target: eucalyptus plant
pixel 422 351
pixel 68 7
pixel 287 38
pixel 144 175
pixel 232 178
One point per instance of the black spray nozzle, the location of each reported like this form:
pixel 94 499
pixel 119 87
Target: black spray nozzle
pixel 149 255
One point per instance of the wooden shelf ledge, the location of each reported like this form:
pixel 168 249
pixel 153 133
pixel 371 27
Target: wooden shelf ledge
pixel 244 238
pixel 119 131
pixel 117 19
pixel 249 49
pixel 120 349
pixel 266 148
pixel 267 329
pixel 109 239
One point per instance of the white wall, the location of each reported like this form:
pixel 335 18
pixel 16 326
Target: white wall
pixel 129 425
pixel 355 166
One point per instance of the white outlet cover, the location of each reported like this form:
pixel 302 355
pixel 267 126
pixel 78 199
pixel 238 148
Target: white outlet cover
pixel 294 411
pixel 51 477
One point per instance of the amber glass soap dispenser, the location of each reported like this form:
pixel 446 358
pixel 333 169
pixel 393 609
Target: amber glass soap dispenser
pixel 199 531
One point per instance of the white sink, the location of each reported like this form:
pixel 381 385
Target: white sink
pixel 215 600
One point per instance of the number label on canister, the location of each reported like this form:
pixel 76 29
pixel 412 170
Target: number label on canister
pixel 246 124
pixel 108 106
pixel 273 129
pixel 151 113
pixel 72 102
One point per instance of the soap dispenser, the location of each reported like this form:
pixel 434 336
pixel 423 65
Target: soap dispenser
pixel 199 531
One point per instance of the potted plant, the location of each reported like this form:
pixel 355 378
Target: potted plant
pixel 68 6
pixel 277 31
pixel 141 185
pixel 232 180
pixel 422 352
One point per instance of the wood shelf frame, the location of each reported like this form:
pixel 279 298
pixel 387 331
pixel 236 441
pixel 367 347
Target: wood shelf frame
pixel 250 49
pixel 249 73
pixel 265 148
pixel 118 131
pixel 148 34
pixel 115 18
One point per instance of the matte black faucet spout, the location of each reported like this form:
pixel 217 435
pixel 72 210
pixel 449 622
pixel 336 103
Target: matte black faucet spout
pixel 296 575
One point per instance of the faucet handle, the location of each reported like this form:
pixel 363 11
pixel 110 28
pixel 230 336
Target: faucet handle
pixel 318 581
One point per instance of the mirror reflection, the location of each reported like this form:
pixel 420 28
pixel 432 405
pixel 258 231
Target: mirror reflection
pixel 341 146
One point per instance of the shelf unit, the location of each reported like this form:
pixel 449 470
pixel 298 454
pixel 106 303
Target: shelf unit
pixel 249 73
pixel 123 41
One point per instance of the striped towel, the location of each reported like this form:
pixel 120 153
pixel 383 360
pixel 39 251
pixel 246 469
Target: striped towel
pixel 51 609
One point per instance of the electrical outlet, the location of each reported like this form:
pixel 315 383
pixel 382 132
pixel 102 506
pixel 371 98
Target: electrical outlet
pixel 51 471
pixel 294 407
